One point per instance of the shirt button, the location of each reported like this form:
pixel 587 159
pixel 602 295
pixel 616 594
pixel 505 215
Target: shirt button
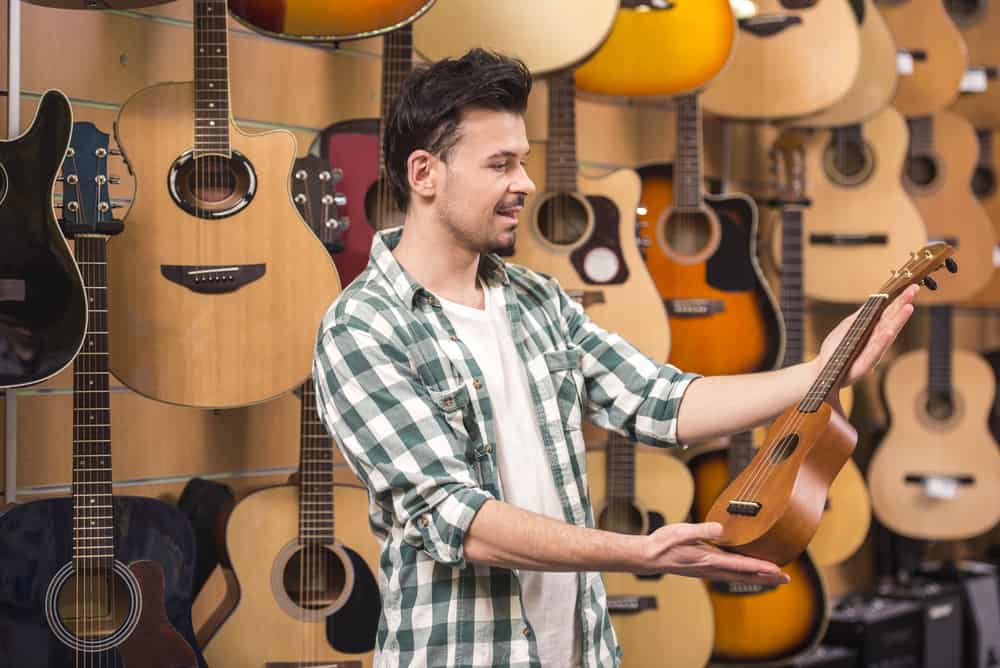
pixel 425 520
pixel 526 632
pixel 478 384
pixel 453 337
pixel 489 448
pixel 448 403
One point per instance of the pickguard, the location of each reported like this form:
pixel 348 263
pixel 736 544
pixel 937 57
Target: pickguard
pixel 594 261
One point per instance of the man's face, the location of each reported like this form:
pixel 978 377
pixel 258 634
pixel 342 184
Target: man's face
pixel 481 188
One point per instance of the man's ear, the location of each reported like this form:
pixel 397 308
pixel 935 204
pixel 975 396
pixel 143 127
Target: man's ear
pixel 421 173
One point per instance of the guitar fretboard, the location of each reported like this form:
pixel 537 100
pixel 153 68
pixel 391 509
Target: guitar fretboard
pixel 621 469
pixel 939 359
pixel 211 78
pixel 741 452
pixel 921 135
pixel 985 138
pixel 315 474
pixel 93 517
pixel 397 61
pixel 792 293
pixel 687 193
pixel 560 152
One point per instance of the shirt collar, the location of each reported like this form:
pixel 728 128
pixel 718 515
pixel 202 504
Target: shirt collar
pixel 492 269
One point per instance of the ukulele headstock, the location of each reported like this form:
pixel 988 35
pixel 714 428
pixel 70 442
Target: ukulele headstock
pixel 918 269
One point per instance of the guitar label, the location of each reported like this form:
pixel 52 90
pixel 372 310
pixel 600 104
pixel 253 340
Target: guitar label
pixel 940 487
pixel 904 63
pixel 12 290
pixel 973 81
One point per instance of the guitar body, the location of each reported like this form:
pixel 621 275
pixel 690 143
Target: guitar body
pixel 154 544
pixel 325 21
pixel 984 185
pixel 860 214
pixel 754 624
pixel 680 629
pixel 741 332
pixel 604 263
pixel 875 84
pixel 695 37
pixel 43 310
pixel 919 444
pixel 950 210
pixel 846 518
pixel 352 146
pixel 520 28
pixel 164 324
pixel 788 62
pixel 923 26
pixel 979 23
pixel 262 538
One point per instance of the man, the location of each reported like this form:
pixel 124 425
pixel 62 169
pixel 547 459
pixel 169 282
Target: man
pixel 455 383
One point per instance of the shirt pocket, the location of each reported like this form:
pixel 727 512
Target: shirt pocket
pixel 567 380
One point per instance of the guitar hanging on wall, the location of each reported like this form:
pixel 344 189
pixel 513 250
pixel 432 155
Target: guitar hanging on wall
pixel 303 20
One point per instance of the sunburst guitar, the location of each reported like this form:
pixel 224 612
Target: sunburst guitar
pixel 303 20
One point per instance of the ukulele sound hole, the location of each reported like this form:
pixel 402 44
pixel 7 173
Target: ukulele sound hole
pixel 940 406
pixel 688 233
pixel 314 578
pixel 563 219
pixel 921 171
pixel 621 517
pixel 212 186
pixel 784 449
pixel 849 163
pixel 984 182
pixel 380 207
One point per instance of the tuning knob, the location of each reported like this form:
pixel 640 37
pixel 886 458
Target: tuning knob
pixel 340 199
pixel 930 283
pixel 300 199
pixel 951 265
pixel 114 180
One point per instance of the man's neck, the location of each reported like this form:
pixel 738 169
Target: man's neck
pixel 436 261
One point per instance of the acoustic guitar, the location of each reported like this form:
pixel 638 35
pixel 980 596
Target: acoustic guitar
pixel 665 48
pixel 43 311
pixel 940 163
pixel 215 271
pixel 754 623
pixel 305 580
pixel 936 475
pixel 637 490
pixel 303 20
pixel 791 59
pixel 979 23
pixel 984 187
pixel 701 252
pixel 772 508
pixel 933 55
pixel 95 579
pixel 354 148
pixel 581 230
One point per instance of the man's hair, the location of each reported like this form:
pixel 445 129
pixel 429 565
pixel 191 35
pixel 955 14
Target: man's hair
pixel 429 109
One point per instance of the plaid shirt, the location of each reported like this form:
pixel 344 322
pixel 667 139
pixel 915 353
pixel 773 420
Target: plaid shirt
pixel 407 404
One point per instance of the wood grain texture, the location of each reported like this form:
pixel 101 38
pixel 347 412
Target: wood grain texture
pixel 924 25
pixel 980 30
pixel 521 28
pixel 217 350
pixel 800 70
pixel 917 443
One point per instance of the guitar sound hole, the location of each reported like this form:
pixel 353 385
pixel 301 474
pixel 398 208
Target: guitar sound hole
pixel 940 406
pixel 965 13
pixel 94 605
pixel 984 182
pixel 211 180
pixel 3 183
pixel 380 207
pixel 314 577
pixel 784 449
pixel 212 186
pixel 921 171
pixel 621 517
pixel 688 232
pixel 563 219
pixel 849 163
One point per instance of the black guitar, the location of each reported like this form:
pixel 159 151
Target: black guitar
pixel 43 311
pixel 93 579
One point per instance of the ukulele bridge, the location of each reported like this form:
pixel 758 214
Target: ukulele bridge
pixel 745 508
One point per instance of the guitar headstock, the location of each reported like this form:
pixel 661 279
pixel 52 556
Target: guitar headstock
pixel 788 169
pixel 86 200
pixel 314 191
pixel 918 269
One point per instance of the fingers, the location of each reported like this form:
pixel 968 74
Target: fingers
pixel 747 566
pixel 684 533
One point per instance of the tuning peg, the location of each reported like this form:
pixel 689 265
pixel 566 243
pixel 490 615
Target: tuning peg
pixel 300 175
pixel 104 207
pixel 300 199
pixel 951 265
pixel 338 174
pixel 114 151
pixel 930 283
pixel 101 152
pixel 70 152
pixel 115 205
pixel 114 180
pixel 72 206
pixel 325 175
pixel 340 199
pixel 72 179
pixel 343 224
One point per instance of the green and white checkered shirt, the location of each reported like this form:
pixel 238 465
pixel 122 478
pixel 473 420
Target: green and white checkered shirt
pixel 407 404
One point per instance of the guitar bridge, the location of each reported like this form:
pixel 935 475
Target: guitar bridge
pixel 212 279
pixel 746 508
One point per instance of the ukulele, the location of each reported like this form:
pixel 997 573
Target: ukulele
pixel 979 23
pixel 95 579
pixel 581 230
pixel 847 513
pixel 306 21
pixel 772 508
pixel 701 253
pixel 932 55
pixel 940 162
pixel 936 475
pixel 521 28
pixel 43 311
pixel 310 586
pixel 215 270
pixel 355 148
pixel 791 59
pixel 694 36
pixel 757 623
pixel 637 490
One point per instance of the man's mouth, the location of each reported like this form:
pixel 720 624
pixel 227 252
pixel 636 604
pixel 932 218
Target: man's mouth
pixel 509 212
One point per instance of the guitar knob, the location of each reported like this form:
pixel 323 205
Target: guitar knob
pixel 340 199
pixel 930 283
pixel 951 265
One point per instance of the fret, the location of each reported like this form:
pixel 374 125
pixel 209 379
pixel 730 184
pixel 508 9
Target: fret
pixel 211 74
pixel 688 159
pixel 560 151
pixel 792 298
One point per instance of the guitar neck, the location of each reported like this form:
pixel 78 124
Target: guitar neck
pixel 315 473
pixel 93 516
pixel 560 152
pixel 620 470
pixel 397 61
pixel 985 139
pixel 939 359
pixel 687 170
pixel 921 135
pixel 741 452
pixel 792 293
pixel 211 78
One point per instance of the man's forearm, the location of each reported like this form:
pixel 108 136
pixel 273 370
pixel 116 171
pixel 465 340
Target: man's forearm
pixel 720 405
pixel 510 537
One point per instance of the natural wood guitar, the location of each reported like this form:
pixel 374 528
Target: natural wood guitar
pixel 772 508
pixel 636 490
pixel 304 20
pixel 787 62
pixel 695 37
pixel 936 475
pixel 984 187
pixel 979 23
pixel 934 51
pixel 217 284
pixel 581 230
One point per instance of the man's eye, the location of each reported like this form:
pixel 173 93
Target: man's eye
pixel 500 167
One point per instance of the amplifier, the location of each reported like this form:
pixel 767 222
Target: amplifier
pixel 826 656
pixel 885 633
pixel 981 608
pixel 943 615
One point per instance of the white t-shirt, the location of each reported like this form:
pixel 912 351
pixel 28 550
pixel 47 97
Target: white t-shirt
pixel 525 476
